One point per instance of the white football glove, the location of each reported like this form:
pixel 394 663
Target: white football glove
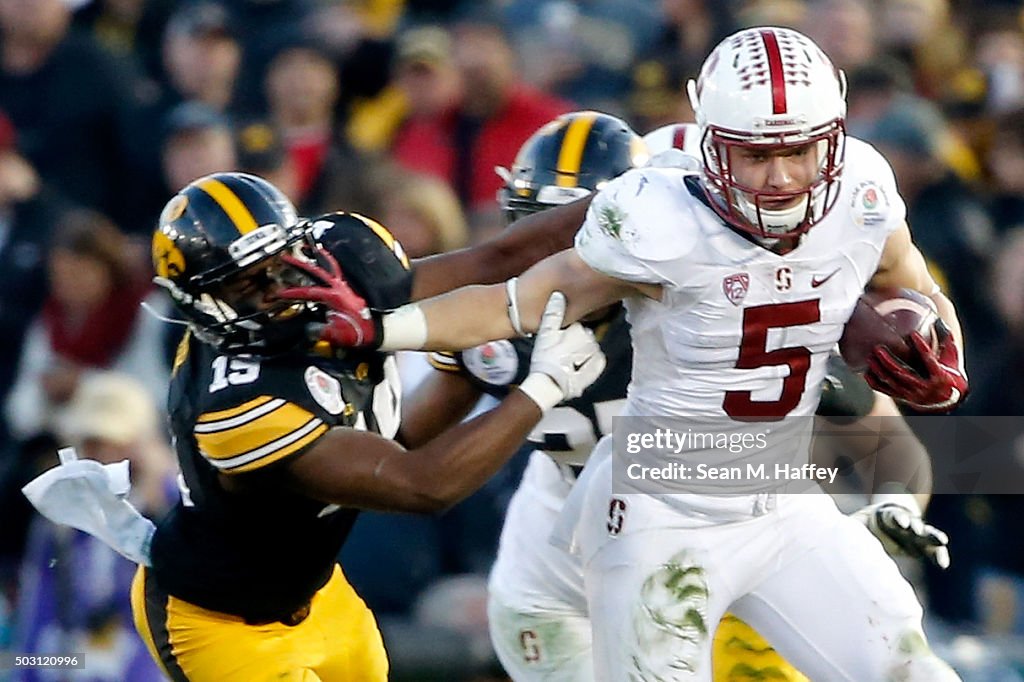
pixel 896 521
pixel 564 361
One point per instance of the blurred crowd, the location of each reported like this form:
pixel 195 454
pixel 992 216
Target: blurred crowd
pixel 401 110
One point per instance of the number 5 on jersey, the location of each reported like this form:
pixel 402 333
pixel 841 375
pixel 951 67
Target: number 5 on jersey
pixel 754 353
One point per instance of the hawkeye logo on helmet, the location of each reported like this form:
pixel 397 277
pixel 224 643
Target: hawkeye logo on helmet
pixel 168 260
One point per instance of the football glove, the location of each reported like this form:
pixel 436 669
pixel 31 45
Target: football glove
pixel 941 387
pixel 350 322
pixel 901 530
pixel 564 361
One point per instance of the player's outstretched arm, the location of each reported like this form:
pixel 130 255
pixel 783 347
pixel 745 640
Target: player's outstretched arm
pixel 515 249
pixel 359 469
pixel 470 316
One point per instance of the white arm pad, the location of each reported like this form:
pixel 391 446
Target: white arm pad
pixel 542 389
pixel 405 328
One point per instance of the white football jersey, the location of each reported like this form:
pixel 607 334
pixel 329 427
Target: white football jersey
pixel 740 330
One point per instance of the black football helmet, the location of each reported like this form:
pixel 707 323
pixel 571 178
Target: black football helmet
pixel 214 235
pixel 566 159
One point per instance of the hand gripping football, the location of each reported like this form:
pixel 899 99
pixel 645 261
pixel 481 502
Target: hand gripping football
pixel 886 317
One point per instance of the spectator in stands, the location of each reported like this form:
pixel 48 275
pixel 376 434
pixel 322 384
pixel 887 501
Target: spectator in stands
pixel 131 29
pixel 261 152
pixel 689 30
pixel 91 320
pixel 302 91
pixel 584 51
pixel 28 212
pixel 423 214
pixel 1005 163
pixel 658 97
pixel 201 56
pixel 986 584
pixel 71 102
pixel 478 130
pixel 197 141
pixel 260 24
pixel 922 34
pixel 846 30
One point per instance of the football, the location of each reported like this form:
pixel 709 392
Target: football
pixel 887 317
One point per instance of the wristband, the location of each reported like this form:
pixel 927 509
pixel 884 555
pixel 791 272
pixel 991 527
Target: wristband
pixel 542 389
pixel 512 304
pixel 404 328
pixel 894 493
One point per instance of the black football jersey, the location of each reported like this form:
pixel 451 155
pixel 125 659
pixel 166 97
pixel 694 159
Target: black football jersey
pixel 569 431
pixel 265 552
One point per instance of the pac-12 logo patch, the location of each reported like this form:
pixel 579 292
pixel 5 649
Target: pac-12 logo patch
pixel 736 287
pixel 325 389
pixel 494 362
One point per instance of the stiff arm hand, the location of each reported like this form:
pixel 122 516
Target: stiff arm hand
pixel 564 361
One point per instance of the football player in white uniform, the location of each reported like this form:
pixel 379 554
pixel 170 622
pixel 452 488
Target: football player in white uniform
pixel 739 652
pixel 737 283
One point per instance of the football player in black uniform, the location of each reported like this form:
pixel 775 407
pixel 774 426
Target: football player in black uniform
pixel 537 608
pixel 280 440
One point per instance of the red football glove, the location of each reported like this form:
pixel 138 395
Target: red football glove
pixel 350 322
pixel 943 385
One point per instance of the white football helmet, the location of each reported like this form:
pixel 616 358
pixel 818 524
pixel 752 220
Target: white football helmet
pixel 676 145
pixel 770 88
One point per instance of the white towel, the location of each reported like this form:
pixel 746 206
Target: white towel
pixel 93 497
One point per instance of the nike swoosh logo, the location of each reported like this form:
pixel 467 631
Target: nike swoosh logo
pixel 816 282
pixel 576 365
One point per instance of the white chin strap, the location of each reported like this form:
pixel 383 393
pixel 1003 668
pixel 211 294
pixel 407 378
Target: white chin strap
pixel 774 221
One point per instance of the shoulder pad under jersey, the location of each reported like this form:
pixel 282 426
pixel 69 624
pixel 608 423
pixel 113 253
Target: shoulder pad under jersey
pixel 638 224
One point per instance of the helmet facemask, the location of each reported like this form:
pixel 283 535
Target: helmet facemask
pixel 748 208
pixel 520 197
pixel 229 307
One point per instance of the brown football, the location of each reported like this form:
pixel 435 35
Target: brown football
pixel 886 317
